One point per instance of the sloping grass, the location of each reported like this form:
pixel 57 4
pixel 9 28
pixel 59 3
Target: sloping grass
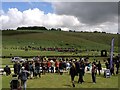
pixel 61 39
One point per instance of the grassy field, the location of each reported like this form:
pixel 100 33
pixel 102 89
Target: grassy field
pixel 7 52
pixel 30 53
pixel 78 40
pixel 96 41
pixel 39 38
pixel 64 81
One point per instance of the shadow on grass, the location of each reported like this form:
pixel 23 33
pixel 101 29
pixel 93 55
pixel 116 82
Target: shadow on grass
pixel 83 82
pixel 88 82
pixel 67 85
pixel 100 75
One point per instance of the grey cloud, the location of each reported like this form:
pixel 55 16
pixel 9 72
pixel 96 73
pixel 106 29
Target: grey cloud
pixel 60 0
pixel 91 13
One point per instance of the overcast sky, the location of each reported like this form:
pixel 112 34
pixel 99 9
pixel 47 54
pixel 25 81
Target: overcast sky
pixel 79 16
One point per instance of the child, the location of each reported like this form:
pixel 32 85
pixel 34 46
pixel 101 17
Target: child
pixel 14 83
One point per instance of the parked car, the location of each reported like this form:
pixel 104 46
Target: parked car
pixel 14 59
pixel 35 58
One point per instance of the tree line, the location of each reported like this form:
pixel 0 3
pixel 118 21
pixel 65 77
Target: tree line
pixel 38 28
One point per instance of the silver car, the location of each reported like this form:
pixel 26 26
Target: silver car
pixel 16 59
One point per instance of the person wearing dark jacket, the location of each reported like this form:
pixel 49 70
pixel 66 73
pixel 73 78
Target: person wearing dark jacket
pixel 27 65
pixel 19 67
pixel 107 65
pixel 112 70
pixel 15 66
pixel 73 73
pixel 23 76
pixel 80 73
pixel 83 68
pixel 77 65
pixel 7 70
pixel 37 69
pixel 99 67
pixel 15 83
pixel 61 67
pixel 117 66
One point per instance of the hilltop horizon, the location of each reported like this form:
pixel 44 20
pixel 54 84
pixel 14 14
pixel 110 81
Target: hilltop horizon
pixel 55 29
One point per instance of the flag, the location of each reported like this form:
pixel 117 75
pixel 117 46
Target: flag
pixel 111 54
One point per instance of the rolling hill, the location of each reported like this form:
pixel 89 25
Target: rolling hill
pixel 45 38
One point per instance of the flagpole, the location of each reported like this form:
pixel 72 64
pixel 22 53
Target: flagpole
pixel 111 53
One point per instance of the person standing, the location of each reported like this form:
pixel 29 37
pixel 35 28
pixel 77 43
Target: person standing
pixel 57 66
pixel 27 65
pixel 19 67
pixel 117 66
pixel 15 66
pixel 44 67
pixel 23 77
pixel 80 74
pixel 52 66
pixel 15 83
pixel 73 73
pixel 99 67
pixel 61 67
pixel 37 68
pixel 112 70
pixel 77 65
pixel 68 66
pixel 31 70
pixel 83 69
pixel 7 70
pixel 48 65
pixel 93 71
pixel 107 65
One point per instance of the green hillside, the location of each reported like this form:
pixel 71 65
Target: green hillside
pixel 61 39
pixel 57 38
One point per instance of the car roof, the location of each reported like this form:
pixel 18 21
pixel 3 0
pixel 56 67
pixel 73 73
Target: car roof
pixel 17 57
